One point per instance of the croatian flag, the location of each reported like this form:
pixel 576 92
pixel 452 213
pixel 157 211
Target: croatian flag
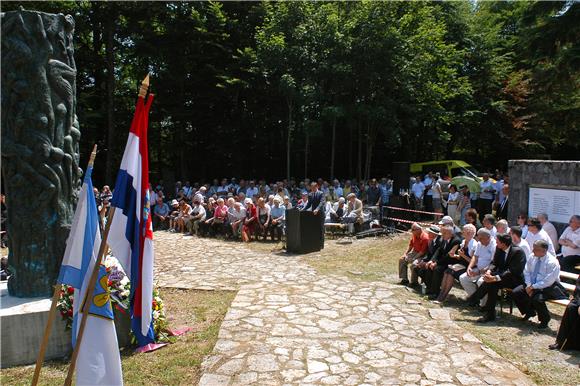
pixel 131 232
pixel 99 362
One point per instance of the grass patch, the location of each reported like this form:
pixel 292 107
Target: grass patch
pixel 177 363
pixel 365 259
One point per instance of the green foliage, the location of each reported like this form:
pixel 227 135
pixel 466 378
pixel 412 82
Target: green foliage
pixel 249 88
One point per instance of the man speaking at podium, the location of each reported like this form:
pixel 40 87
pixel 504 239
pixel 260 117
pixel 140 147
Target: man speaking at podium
pixel 316 205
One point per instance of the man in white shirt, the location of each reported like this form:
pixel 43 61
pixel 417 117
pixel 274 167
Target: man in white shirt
pixel 486 196
pixel 535 232
pixel 418 189
pixel 549 228
pixel 489 224
pixel 570 242
pixel 542 276
pixel 479 263
pixel 516 234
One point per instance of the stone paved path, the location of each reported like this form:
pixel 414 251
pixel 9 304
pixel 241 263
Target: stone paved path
pixel 289 325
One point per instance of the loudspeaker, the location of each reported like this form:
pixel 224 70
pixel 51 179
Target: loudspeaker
pixel 401 176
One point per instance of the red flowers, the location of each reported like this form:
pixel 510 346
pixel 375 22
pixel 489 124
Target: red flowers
pixel 70 290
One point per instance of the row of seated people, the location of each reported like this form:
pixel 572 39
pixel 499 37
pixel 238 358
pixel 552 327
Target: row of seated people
pixel 484 263
pixel 243 219
pixel 228 218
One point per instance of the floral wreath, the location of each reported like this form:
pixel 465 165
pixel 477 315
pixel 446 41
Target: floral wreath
pixel 120 289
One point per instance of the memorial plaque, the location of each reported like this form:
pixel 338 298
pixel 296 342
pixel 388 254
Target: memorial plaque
pixel 559 204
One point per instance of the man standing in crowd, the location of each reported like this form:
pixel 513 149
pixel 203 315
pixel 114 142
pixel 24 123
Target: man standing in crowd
pixel 374 196
pixel 542 275
pixel 502 209
pixel 428 197
pixel 550 229
pixel 486 196
pixel 415 252
pixel 570 242
pixel 316 204
pixel 252 190
pixel 506 271
pixel 418 190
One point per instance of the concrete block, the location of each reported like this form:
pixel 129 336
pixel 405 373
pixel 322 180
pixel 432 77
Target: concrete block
pixel 22 323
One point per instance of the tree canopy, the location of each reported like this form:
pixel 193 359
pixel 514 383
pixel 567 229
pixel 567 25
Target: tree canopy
pixel 276 89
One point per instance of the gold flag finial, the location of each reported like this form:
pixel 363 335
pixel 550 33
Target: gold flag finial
pixel 93 155
pixel 144 87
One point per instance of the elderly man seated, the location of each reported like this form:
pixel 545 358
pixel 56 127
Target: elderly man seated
pixel 354 213
pixel 414 253
pixel 277 220
pixel 542 276
pixel 197 217
pixel 160 214
pixel 236 216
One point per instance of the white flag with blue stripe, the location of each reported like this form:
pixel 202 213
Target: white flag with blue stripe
pixel 99 361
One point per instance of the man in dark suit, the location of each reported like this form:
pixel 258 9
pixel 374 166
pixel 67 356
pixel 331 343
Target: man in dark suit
pixel 440 261
pixel 502 209
pixel 316 204
pixel 505 271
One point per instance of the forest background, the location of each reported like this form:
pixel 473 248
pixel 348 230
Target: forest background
pixel 332 89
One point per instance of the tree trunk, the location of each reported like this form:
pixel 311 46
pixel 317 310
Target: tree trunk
pixel 359 154
pixel 306 144
pixel 40 156
pixel 288 138
pixel 350 165
pixel 109 35
pixel 371 136
pixel 333 148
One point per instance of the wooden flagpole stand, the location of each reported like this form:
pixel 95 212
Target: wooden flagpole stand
pixel 52 312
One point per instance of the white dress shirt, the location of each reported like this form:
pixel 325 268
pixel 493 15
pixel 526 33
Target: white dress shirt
pixel 550 229
pixel 573 236
pixel 524 245
pixel 541 235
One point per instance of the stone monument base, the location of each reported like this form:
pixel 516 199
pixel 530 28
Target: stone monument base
pixel 22 323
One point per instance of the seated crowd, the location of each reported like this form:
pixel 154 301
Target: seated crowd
pixel 485 259
pixel 247 210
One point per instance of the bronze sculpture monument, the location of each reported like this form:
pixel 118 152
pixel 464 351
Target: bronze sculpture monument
pixel 40 145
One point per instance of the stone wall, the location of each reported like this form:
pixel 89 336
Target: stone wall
pixel 539 173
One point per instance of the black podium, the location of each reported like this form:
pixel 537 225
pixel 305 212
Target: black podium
pixel 303 231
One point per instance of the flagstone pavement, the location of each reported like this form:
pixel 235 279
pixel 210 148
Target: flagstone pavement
pixel 290 325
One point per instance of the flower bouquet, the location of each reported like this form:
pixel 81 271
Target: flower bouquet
pixel 119 288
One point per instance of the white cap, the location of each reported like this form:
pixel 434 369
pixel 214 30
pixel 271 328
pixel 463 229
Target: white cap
pixel 446 220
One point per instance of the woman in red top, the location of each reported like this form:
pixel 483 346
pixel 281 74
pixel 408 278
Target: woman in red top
pixel 250 222
pixel 219 218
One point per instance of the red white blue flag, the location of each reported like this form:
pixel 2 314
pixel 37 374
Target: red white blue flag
pixel 131 232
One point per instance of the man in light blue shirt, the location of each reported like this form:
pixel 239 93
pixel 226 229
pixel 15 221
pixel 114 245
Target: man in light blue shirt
pixel 542 277
pixel 338 189
pixel 278 216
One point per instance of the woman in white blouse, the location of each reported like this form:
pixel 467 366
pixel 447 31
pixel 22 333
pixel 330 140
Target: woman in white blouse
pixel 452 202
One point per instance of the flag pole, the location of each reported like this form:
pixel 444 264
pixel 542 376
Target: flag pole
pixel 95 274
pixel 87 298
pixel 52 311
